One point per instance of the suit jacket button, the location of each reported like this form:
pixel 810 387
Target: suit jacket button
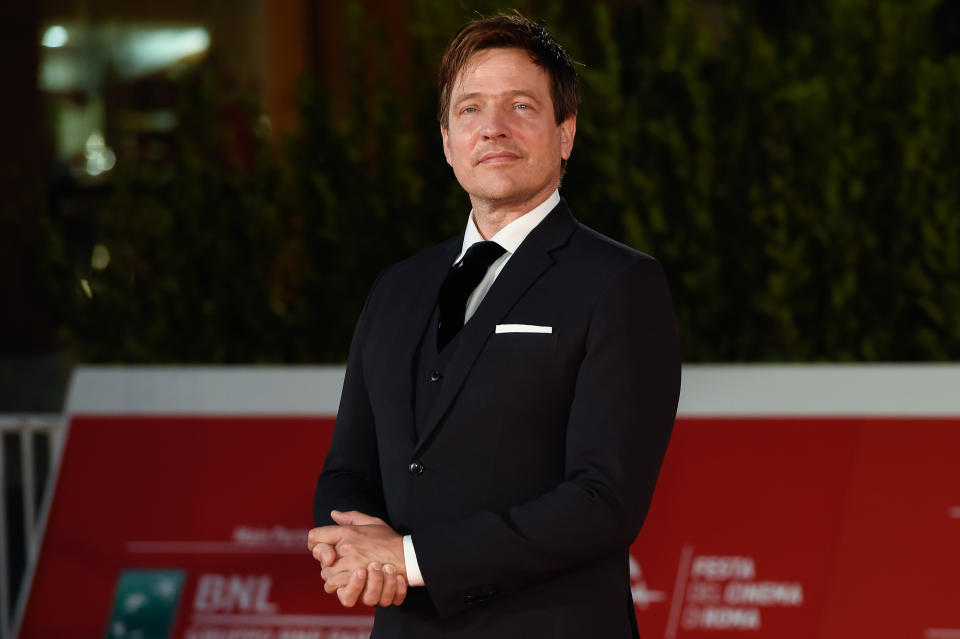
pixel 415 468
pixel 435 376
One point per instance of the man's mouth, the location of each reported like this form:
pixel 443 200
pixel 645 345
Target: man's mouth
pixel 498 157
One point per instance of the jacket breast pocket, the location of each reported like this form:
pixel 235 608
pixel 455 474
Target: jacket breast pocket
pixel 522 342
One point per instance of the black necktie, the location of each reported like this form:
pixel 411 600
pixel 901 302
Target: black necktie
pixel 461 280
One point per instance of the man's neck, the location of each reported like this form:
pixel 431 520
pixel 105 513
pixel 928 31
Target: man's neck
pixel 491 216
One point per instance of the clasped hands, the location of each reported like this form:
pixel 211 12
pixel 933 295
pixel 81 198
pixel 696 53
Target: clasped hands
pixel 362 559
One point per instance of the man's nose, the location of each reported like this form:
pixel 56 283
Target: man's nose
pixel 495 125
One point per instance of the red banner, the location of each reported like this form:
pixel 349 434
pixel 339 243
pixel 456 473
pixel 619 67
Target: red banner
pixel 817 527
pixel 193 525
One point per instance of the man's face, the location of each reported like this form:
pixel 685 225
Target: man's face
pixel 503 141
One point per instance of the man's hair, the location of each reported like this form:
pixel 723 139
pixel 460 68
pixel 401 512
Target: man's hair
pixel 507 31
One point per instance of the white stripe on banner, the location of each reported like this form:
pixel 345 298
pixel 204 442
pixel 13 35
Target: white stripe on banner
pixel 807 390
pixel 314 621
pixel 215 548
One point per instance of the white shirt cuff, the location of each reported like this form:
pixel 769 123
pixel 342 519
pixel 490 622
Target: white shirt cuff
pixel 414 578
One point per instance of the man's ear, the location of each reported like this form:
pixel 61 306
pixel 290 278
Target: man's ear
pixel 446 143
pixel 568 130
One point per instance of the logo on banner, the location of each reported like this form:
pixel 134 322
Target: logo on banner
pixel 723 592
pixel 227 605
pixel 642 595
pixel 145 604
pixel 236 606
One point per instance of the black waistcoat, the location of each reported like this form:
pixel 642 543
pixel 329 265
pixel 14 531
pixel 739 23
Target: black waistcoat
pixel 430 370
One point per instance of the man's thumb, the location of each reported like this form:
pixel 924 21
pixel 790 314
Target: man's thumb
pixel 353 518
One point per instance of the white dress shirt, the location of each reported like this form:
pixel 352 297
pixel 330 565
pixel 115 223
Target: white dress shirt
pixel 510 238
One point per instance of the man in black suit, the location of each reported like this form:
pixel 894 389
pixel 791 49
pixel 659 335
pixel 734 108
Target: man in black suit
pixel 509 393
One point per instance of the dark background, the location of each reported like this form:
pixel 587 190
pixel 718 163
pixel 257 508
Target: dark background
pixel 794 165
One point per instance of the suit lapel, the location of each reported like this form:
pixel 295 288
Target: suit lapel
pixel 531 259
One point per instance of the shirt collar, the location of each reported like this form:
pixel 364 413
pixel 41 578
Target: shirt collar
pixel 512 235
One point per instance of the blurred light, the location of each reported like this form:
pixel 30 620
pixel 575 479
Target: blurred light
pixel 100 258
pixel 55 36
pixel 100 157
pixel 153 49
pixel 61 73
pixel 129 50
pixel 85 285
pixel 955 512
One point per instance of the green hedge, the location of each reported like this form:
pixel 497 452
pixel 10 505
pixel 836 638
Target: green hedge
pixel 798 175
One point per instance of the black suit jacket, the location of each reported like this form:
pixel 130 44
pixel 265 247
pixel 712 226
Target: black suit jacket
pixel 540 455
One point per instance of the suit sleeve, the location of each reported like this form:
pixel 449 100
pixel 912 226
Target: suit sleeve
pixel 350 479
pixel 619 425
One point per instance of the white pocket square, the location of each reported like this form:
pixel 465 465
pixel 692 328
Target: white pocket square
pixel 523 328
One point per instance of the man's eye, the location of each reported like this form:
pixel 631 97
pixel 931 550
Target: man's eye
pixel 521 106
pixel 469 109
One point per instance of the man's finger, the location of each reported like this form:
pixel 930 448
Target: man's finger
pixel 349 594
pixel 312 536
pixel 325 535
pixel 340 568
pixel 325 554
pixel 371 593
pixel 389 590
pixel 354 518
pixel 401 590
pixel 336 582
